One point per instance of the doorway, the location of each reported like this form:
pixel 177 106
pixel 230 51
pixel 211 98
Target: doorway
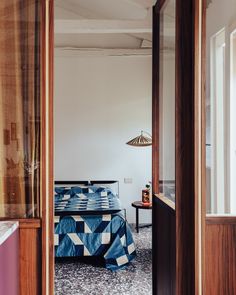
pixel 186 227
pixel 102 100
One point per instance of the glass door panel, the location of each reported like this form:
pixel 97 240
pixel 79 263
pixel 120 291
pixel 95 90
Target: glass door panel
pixel 20 108
pixel 167 100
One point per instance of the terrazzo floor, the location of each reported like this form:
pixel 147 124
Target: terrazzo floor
pixel 78 278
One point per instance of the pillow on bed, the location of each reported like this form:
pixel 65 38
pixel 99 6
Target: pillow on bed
pixel 65 193
pixel 79 190
pixel 60 197
pixel 71 190
pixel 90 189
pixel 100 189
pixel 63 190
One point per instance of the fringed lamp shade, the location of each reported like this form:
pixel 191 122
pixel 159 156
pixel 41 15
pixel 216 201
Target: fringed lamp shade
pixel 141 140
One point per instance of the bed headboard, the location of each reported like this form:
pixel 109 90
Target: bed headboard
pixel 67 182
pixel 112 184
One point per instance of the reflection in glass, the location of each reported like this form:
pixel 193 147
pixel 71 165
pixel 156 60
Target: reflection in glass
pixel 19 108
pixel 167 100
pixel 220 108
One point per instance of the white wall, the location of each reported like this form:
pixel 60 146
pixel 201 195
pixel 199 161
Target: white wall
pixel 100 104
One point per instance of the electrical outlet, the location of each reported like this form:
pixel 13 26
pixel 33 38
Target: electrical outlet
pixel 128 180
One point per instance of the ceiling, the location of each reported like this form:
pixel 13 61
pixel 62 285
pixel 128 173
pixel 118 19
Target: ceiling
pixel 168 28
pixel 104 26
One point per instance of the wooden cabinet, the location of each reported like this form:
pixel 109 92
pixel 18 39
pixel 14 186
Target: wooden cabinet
pixel 30 257
pixel 220 258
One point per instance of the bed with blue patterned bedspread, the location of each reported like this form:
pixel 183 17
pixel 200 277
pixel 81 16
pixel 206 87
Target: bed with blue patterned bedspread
pixel 104 233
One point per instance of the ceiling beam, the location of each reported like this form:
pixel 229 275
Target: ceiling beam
pixel 100 52
pixel 143 3
pixel 142 37
pixel 146 44
pixel 102 26
pixel 76 9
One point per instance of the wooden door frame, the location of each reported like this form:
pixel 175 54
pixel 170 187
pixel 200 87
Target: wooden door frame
pixel 189 145
pixel 47 135
pixel 190 149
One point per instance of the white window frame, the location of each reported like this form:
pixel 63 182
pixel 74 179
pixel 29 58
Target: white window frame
pixel 218 115
pixel 232 120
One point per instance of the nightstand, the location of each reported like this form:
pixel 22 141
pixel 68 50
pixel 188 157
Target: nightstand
pixel 140 205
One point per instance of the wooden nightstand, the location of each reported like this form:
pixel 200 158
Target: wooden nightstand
pixel 140 205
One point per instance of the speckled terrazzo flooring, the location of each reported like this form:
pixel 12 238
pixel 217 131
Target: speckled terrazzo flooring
pixel 78 278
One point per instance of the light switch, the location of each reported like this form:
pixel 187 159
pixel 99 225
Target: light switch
pixel 128 180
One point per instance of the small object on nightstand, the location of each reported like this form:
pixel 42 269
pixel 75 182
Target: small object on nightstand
pixel 146 195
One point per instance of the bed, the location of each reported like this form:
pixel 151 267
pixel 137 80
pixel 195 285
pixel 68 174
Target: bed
pixel 90 221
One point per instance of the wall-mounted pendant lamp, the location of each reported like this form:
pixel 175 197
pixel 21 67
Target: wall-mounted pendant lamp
pixel 141 140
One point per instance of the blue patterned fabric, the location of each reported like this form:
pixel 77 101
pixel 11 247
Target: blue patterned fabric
pixel 85 199
pixel 107 236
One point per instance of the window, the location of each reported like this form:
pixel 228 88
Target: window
pixel 217 141
pixel 221 108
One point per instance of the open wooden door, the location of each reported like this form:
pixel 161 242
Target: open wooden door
pixel 177 148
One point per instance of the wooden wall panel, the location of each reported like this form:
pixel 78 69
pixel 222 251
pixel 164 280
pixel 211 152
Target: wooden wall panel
pixel 220 258
pixel 164 247
pixel 30 257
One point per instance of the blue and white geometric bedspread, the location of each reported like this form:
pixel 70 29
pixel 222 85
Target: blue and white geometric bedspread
pixel 107 236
